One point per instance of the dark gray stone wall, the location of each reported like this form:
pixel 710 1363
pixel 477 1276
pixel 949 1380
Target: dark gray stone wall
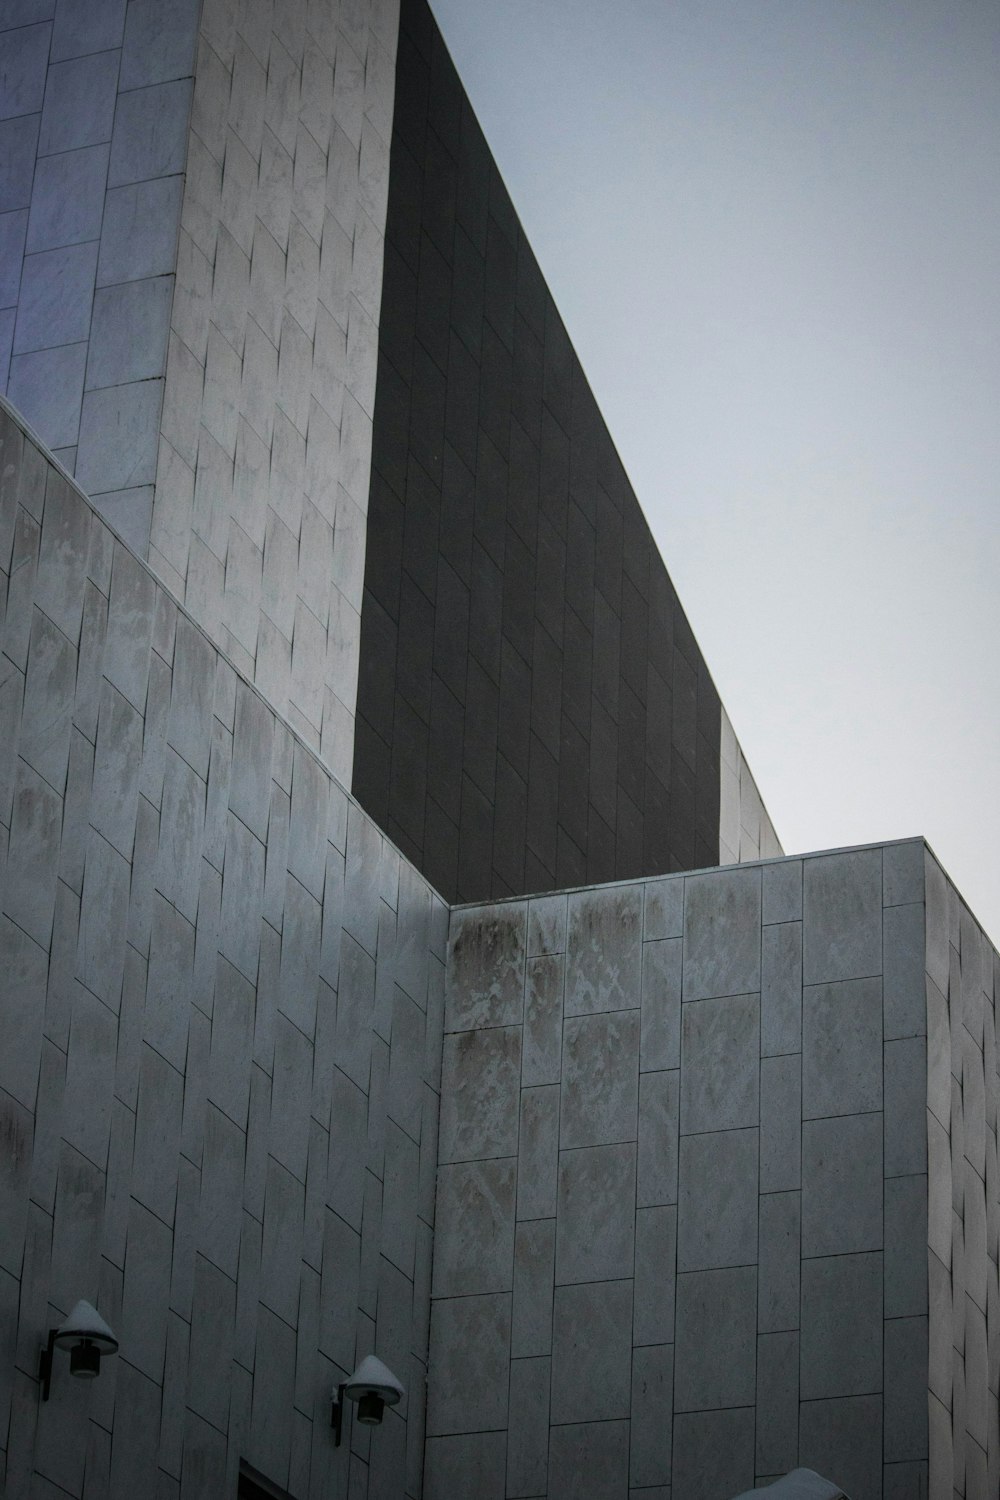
pixel 533 709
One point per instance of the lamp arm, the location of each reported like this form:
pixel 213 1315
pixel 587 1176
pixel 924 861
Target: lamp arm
pixel 337 1414
pixel 45 1363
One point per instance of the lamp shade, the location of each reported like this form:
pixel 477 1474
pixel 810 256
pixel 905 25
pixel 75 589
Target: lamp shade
pixel 800 1484
pixel 373 1378
pixel 86 1323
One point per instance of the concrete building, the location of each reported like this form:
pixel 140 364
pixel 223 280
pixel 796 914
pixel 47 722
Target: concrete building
pixel 397 956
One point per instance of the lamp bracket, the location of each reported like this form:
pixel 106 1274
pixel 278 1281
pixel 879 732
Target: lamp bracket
pixel 337 1415
pixel 45 1363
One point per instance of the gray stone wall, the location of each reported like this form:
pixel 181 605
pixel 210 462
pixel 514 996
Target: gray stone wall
pixel 745 828
pixel 93 143
pixel 261 496
pixel 192 213
pixel 220 1046
pixel 963 1229
pixel 682 1200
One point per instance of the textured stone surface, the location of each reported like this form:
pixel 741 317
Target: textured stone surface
pixel 192 1140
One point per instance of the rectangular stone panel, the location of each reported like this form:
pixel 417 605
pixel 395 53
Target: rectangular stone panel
pixel 717 1200
pixel 716 1344
pixel 722 934
pixel 780 1124
pixel 842 915
pixel 842 1440
pixel 485 984
pixel 481 1075
pixel 842 1048
pixel 720 1050
pixel 781 989
pixel 591 1351
pixel 713 1453
pixel 652 1399
pixel 842 1185
pixel 658 1121
pixel 539 1153
pixel 600 1076
pixel 543 1007
pixel 604 950
pixel 660 1045
pixel 474 1225
pixel 534 1271
pixel 841 1345
pixel 470 1353
pixel 596 1214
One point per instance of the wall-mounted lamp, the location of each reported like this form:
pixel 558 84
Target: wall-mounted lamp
pixel 374 1387
pixel 86 1335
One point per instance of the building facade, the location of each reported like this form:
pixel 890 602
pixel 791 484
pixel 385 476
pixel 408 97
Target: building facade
pixel 357 758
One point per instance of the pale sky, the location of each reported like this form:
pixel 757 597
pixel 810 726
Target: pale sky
pixel 772 228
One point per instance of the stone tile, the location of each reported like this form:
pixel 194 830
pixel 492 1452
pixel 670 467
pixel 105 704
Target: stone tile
pixel 655 1276
pixel 842 913
pixel 118 437
pixel 348 1125
pixel 528 1427
pixel 159 42
pixel 466 1464
pixel 842 1440
pixel 534 1269
pixel 600 1079
pixel 150 134
pixel 906 1105
pixel 242 894
pixel 782 891
pixel 842 1048
pixel 79 107
pixel 777 1402
pixel 658 1119
pixel 139 230
pixel 716 1350
pixel 842 1185
pixel 47 387
pixel 281 1247
pixel 780 1123
pixel 779 1250
pixel 48 702
pixel 90 1073
pixel 128 332
pixel 470 1352
pixel 55 297
pixel 663 909
pixel 722 934
pixel 541 1048
pixel 713 1453
pixel 67 198
pixel 292 1080
pixel 405 1097
pixel 100 954
pixel 596 1214
pixel 720 1047
pixel 170 982
pixel 146 1292
pixel 588 1457
pixel 652 1397
pixel 841 1345
pixel 222 1191
pixel 903 873
pixel 591 1352
pixel 905 1431
pixel 486 960
pixel 538 1147
pixel 781 989
pixel 661 1004
pixel 903 946
pixel 400 1191
pixel 604 950
pixel 480 1094
pixel 547 920
pixel 717 1207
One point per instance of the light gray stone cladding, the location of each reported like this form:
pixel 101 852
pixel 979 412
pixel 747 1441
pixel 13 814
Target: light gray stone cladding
pixel 745 828
pixel 707 1136
pixel 221 1008
pixel 192 215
